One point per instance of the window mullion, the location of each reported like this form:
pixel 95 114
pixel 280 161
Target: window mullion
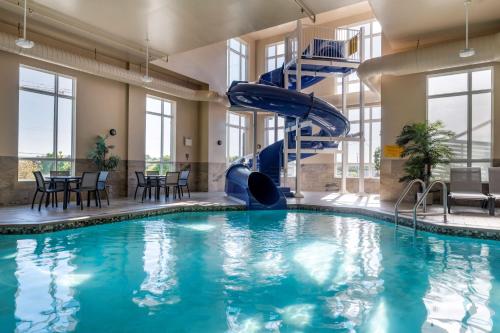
pixel 56 117
pixel 161 138
pixel 469 119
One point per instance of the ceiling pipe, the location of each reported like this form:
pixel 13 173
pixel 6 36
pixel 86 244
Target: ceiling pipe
pixel 40 17
pixel 427 59
pixel 83 64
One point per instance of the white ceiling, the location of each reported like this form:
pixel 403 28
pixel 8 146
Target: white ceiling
pixel 404 22
pixel 174 26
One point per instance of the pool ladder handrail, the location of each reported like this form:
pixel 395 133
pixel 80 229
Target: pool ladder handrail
pixel 403 195
pixel 422 199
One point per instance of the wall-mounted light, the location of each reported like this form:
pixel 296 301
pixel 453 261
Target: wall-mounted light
pixel 219 142
pixel 112 132
pixel 23 42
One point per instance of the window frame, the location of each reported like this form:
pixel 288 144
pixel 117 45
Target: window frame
pixel 56 95
pixel 162 163
pixel 354 80
pixel 370 164
pixel 271 128
pixel 469 93
pixel 242 132
pixel 275 56
pixel 241 55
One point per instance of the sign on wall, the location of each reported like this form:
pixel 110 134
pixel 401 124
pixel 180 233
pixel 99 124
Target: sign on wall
pixel 392 151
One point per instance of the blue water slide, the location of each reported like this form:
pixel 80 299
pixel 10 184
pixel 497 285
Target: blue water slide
pixel 255 189
pixel 270 94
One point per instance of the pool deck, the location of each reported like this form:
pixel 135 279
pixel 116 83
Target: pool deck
pixel 465 221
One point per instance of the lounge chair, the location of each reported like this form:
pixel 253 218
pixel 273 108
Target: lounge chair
pixel 465 184
pixel 494 188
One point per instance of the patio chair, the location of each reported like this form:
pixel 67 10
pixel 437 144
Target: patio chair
pixel 45 188
pixel 465 184
pixel 172 181
pixel 183 182
pixel 88 184
pixel 102 185
pixel 494 188
pixel 142 183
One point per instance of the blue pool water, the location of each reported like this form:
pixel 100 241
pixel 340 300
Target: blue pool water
pixel 248 272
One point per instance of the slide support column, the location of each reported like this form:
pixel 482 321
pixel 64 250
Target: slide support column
pixel 361 189
pixel 343 184
pixel 254 163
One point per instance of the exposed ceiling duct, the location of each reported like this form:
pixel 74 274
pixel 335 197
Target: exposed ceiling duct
pixel 426 59
pixel 70 60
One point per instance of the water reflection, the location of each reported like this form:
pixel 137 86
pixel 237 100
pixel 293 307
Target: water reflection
pixel 459 289
pixel 159 260
pixel 45 297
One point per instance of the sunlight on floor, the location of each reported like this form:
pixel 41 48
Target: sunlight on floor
pixel 353 199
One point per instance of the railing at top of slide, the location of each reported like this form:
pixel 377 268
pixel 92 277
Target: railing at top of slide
pixel 343 43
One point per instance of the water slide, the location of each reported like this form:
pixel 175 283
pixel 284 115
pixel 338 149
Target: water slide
pixel 261 189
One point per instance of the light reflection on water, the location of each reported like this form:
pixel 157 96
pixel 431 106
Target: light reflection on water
pixel 248 272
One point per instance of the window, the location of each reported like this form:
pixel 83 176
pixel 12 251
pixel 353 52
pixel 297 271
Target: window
pixel 463 102
pixel 372 143
pixel 236 136
pixel 372 43
pixel 275 55
pixel 269 126
pixel 236 61
pixel 160 135
pixel 46 116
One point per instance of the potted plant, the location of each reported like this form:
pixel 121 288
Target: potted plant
pixel 425 145
pixel 99 155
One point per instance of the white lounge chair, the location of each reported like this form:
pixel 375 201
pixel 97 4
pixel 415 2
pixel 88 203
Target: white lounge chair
pixel 465 184
pixel 494 188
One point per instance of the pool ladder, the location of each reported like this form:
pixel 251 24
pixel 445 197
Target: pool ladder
pixel 421 201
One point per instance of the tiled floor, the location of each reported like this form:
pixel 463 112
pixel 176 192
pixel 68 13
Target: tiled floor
pixel 461 216
pixel 23 215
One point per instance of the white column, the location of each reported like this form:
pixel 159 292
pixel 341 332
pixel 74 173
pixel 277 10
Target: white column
pixel 298 181
pixel 285 139
pixel 343 184
pixel 254 160
pixel 361 189
pixel 298 87
pixel 275 127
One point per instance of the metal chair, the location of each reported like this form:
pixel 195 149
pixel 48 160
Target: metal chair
pixel 184 182
pixel 45 189
pixel 494 188
pixel 142 183
pixel 88 184
pixel 102 185
pixel 172 180
pixel 465 184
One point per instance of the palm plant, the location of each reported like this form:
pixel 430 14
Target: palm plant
pixel 99 152
pixel 425 145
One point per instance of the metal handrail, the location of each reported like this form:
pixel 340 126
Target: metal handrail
pixel 403 195
pixel 424 195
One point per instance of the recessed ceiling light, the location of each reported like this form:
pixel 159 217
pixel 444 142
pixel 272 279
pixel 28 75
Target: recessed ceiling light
pixel 23 42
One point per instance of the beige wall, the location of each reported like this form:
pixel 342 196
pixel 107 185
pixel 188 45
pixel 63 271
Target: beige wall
pixel 403 102
pixel 101 104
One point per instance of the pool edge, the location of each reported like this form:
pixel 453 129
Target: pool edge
pixel 73 223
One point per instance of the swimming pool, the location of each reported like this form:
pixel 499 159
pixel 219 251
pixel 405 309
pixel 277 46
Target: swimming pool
pixel 248 271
